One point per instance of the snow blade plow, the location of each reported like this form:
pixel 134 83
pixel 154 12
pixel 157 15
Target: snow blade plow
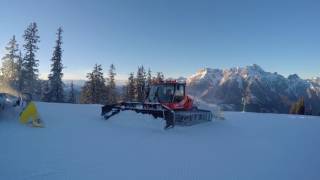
pixel 166 100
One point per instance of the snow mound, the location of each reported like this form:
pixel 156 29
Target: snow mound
pixel 78 144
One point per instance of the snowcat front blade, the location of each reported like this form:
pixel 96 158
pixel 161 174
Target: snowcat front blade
pixel 108 111
pixel 189 118
pixel 157 110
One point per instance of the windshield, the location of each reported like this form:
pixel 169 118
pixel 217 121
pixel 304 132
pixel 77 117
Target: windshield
pixel 152 94
pixel 179 93
pixel 165 93
pixel 161 93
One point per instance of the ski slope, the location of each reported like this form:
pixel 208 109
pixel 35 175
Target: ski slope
pixel 78 144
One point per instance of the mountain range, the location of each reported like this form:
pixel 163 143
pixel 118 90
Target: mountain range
pixel 260 90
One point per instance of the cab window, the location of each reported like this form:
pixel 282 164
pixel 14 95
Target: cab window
pixel 179 93
pixel 165 93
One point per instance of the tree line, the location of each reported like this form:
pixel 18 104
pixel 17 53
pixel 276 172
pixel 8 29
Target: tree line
pixel 100 90
pixel 19 71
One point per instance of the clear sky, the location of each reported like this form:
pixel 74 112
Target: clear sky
pixel 177 37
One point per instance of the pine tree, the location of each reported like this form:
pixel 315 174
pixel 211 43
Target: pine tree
pixel 301 107
pixel 45 96
pixel 298 107
pixel 140 84
pixel 30 63
pixel 72 96
pixel 293 108
pixel 94 90
pixel 86 96
pixel 112 92
pixel 9 63
pixel 159 77
pixel 149 80
pixel 20 73
pixel 55 77
pixel 131 88
pixel 38 90
pixel 123 93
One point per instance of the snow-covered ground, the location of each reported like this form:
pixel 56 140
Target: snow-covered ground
pixel 78 144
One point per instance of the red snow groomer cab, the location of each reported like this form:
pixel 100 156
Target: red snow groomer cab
pixel 167 100
pixel 171 94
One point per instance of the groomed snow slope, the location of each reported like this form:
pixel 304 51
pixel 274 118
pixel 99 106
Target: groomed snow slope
pixel 78 144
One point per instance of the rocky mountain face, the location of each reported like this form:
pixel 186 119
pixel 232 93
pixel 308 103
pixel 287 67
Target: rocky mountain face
pixel 262 91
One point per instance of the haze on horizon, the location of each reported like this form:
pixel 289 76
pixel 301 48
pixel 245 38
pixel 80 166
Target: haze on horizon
pixel 172 36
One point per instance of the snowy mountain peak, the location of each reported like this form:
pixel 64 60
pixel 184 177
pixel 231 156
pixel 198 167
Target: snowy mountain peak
pixel 293 77
pixel 255 67
pixel 202 73
pixel 265 91
pixel 315 80
pixel 221 76
pixel 205 73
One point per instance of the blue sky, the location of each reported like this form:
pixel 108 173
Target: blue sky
pixel 177 37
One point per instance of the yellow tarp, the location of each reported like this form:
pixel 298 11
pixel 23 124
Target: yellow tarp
pixel 30 113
